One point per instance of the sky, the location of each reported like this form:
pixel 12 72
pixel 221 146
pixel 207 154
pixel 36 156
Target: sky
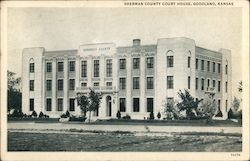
pixel 67 28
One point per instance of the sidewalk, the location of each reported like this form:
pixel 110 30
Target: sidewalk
pixel 131 128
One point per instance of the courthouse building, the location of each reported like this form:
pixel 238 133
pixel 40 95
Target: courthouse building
pixel 134 79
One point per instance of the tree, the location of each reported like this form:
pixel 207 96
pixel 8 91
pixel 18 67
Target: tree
pixel 170 109
pixel 207 108
pixel 14 94
pixel 188 103
pixel 235 111
pixel 83 102
pixel 94 101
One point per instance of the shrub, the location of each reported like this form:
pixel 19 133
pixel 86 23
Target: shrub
pixel 65 115
pixel 151 116
pixel 159 115
pixel 41 114
pixel 16 113
pixel 34 114
pixel 171 110
pixel 127 117
pixel 74 118
pixel 118 114
pixel 207 108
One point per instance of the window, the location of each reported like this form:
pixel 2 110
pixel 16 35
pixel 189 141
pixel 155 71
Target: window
pixel 226 69
pixel 196 83
pixel 208 83
pixel 202 84
pixel 32 67
pixel 122 104
pixel 218 86
pixel 72 66
pixel 108 84
pixel 202 64
pixel 170 82
pixel 109 67
pixel 71 104
pixel 170 61
pixel 96 68
pixel 59 104
pixel 122 63
pixel 213 66
pixel 31 104
pixel 122 83
pixel 150 83
pixel 218 105
pixel 96 84
pixel 226 105
pixel 189 82
pixel 72 84
pixel 136 83
pixel 150 62
pixel 150 105
pixel 48 85
pixel 49 67
pixel 48 104
pixel 196 63
pixel 84 84
pixel 32 85
pixel 136 104
pixel 208 66
pixel 226 87
pixel 189 61
pixel 60 66
pixel 84 68
pixel 218 67
pixel 96 112
pixel 59 84
pixel 136 63
pixel 213 83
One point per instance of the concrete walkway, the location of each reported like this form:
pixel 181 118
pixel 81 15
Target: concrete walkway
pixel 131 128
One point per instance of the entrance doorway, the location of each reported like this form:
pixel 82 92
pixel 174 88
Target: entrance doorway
pixel 108 106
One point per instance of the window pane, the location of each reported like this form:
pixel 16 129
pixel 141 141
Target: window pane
pixel 71 104
pixel 59 84
pixel 136 83
pixel 196 83
pixel 60 66
pixel 202 84
pixel 84 69
pixel 218 86
pixel 49 67
pixel 189 61
pixel 109 84
pixel 170 82
pixel 109 68
pixel 122 63
pixel 218 67
pixel 32 67
pixel 122 104
pixel 136 63
pixel 31 104
pixel 150 62
pixel 32 85
pixel 213 66
pixel 196 63
pixel 48 104
pixel 150 105
pixel 49 84
pixel 72 66
pixel 188 82
pixel 96 68
pixel 72 84
pixel 122 83
pixel 170 61
pixel 202 64
pixel 208 66
pixel 150 83
pixel 136 105
pixel 60 104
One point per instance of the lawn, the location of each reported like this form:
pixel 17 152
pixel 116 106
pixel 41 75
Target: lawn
pixel 119 142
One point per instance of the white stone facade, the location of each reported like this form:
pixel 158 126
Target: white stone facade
pixel 132 79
